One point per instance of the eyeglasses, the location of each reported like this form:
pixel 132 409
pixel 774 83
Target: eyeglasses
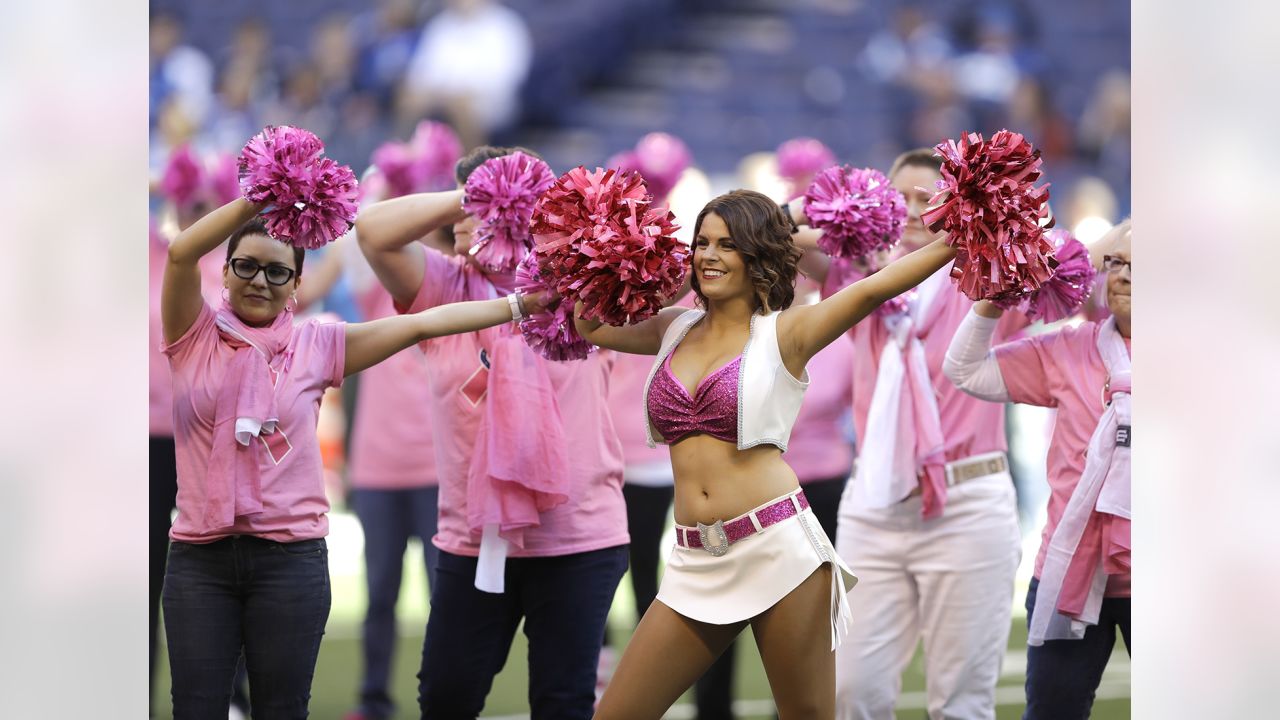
pixel 1112 264
pixel 247 269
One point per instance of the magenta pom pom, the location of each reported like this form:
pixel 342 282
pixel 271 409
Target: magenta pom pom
pixel 395 163
pixel 501 194
pixel 223 180
pixel 600 240
pixel 858 211
pixel 313 198
pixel 992 214
pixel 624 161
pixel 551 333
pixel 436 150
pixel 800 159
pixel 183 178
pixel 661 159
pixel 1072 281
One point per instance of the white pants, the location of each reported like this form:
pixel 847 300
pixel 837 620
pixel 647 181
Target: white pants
pixel 948 581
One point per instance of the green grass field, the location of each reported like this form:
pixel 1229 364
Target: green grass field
pixel 337 671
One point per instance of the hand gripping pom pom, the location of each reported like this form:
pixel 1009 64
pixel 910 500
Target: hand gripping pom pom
pixel 1065 293
pixel 992 213
pixel 313 198
pixel 551 333
pixel 799 160
pixel 501 194
pixel 858 211
pixel 599 240
pixel 183 177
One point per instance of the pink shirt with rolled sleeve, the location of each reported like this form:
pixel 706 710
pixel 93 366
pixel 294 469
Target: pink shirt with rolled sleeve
pixel 594 517
pixel 818 449
pixel 392 442
pixel 969 426
pixel 294 504
pixel 1063 370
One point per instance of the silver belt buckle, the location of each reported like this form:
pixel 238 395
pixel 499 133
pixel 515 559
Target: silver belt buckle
pixel 722 540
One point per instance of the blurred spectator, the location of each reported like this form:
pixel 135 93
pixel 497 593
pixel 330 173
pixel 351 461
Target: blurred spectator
pixel 180 74
pixel 471 60
pixel 385 40
pixel 1104 132
pixel 1031 111
pixel 913 44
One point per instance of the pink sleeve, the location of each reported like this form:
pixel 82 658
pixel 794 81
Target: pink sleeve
pixel 438 274
pixel 179 349
pixel 333 340
pixel 1024 366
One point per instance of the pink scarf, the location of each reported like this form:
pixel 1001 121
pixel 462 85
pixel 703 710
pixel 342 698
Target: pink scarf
pixel 902 447
pixel 520 467
pixel 1092 540
pixel 245 409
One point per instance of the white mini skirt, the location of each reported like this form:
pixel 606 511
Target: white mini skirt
pixel 756 573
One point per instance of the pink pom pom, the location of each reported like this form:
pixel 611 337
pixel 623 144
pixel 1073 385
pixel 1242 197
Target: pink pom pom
pixel 313 198
pixel 858 211
pixel 800 159
pixel 436 150
pixel 601 241
pixel 223 181
pixel 395 163
pixel 551 333
pixel 183 177
pixel 502 193
pixel 1072 281
pixel 992 212
pixel 625 160
pixel 661 160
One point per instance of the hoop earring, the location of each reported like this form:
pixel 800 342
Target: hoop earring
pixel 292 303
pixel 226 294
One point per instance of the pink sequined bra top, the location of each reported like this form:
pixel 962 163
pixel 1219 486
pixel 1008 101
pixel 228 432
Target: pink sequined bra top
pixel 713 408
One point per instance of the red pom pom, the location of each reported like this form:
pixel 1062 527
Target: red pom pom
pixel 992 213
pixel 858 211
pixel 502 193
pixel 551 333
pixel 601 241
pixel 313 198
pixel 1072 281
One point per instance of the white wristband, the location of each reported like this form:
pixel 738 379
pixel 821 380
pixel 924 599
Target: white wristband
pixel 514 301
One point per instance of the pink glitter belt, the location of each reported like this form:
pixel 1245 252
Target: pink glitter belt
pixel 716 538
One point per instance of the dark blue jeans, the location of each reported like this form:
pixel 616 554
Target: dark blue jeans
pixel 564 602
pixel 389 519
pixel 1063 675
pixel 270 599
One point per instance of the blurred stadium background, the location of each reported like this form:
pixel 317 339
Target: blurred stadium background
pixel 580 80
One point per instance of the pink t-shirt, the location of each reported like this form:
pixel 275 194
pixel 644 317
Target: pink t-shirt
pixel 594 516
pixel 1061 369
pixel 293 498
pixel 626 407
pixel 392 446
pixel 969 426
pixel 818 449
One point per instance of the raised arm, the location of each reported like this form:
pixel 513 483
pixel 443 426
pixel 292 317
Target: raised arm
pixel 804 330
pixel 970 364
pixel 369 343
pixel 180 298
pixel 387 230
pixel 643 338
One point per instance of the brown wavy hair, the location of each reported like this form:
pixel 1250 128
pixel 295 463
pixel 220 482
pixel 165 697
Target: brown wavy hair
pixel 763 238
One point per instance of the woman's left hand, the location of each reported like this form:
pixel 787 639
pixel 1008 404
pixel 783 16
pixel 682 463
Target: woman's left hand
pixel 540 301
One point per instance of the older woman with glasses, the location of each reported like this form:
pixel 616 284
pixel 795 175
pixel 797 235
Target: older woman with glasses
pixel 248 565
pixel 1079 596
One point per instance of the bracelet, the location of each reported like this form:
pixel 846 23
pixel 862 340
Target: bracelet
pixel 786 212
pixel 517 307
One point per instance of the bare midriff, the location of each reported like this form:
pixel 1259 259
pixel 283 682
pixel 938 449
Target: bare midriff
pixel 717 481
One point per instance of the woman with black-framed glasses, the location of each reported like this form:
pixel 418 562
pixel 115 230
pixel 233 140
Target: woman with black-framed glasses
pixel 248 566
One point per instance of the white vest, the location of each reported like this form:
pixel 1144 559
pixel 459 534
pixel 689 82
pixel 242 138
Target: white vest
pixel 768 395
